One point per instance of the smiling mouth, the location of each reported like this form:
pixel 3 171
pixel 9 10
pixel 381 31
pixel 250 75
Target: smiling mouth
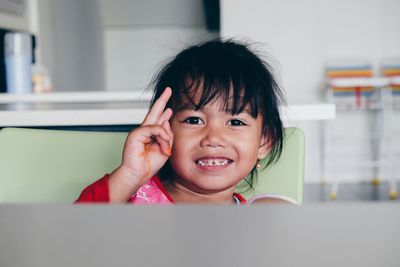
pixel 213 162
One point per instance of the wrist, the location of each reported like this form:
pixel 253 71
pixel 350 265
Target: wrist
pixel 128 176
pixel 122 184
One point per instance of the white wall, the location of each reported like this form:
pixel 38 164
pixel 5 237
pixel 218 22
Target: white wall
pixel 152 12
pixel 14 21
pixel 42 25
pixel 113 45
pixel 141 35
pixel 133 55
pixel 301 36
pixel 77 45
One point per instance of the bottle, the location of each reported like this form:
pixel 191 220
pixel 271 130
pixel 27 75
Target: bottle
pixel 18 61
pixel 41 81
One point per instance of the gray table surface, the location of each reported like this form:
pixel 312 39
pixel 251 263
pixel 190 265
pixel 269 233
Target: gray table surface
pixel 122 235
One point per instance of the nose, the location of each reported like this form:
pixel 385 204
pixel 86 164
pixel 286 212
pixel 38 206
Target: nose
pixel 213 137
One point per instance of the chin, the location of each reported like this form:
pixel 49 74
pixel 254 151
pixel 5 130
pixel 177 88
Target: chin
pixel 212 185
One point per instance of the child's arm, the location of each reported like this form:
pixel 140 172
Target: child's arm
pixel 146 150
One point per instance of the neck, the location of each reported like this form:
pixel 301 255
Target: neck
pixel 182 194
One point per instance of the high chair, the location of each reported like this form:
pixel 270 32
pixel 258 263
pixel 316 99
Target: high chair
pixel 52 166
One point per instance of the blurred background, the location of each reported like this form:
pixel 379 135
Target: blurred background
pixel 103 45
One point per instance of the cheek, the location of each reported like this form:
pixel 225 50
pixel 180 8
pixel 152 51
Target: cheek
pixel 248 151
pixel 249 146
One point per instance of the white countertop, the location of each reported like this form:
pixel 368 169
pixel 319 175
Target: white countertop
pixel 110 108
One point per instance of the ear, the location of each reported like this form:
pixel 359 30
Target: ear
pixel 264 147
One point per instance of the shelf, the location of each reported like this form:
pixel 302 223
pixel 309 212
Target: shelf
pixel 111 108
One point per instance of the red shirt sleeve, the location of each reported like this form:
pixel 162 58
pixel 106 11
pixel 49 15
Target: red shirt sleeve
pixel 96 192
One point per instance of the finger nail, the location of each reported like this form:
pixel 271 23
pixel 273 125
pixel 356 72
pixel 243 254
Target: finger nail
pixel 168 151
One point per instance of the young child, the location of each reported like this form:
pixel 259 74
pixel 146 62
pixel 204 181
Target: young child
pixel 213 116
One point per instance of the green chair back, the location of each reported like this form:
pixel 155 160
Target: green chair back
pixel 51 166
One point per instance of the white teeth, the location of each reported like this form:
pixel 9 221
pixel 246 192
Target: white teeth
pixel 212 162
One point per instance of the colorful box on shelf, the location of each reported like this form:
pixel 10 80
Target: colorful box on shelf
pixel 395 85
pixel 350 88
pixel 355 92
pixel 357 84
pixel 351 91
pixel 351 84
pixel 349 71
pixel 391 69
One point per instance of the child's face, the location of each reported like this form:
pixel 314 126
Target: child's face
pixel 213 150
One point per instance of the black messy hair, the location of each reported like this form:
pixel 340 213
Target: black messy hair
pixel 229 70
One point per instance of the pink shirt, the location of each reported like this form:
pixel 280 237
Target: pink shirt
pixel 152 192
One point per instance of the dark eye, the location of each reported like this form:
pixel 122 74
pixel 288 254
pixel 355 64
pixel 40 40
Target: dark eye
pixel 193 120
pixel 236 123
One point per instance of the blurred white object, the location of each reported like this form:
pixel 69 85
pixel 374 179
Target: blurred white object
pixel 41 80
pixel 18 59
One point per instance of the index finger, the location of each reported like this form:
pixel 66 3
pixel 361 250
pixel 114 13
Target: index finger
pixel 157 109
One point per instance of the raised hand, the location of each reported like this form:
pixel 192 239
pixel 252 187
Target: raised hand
pixel 147 147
